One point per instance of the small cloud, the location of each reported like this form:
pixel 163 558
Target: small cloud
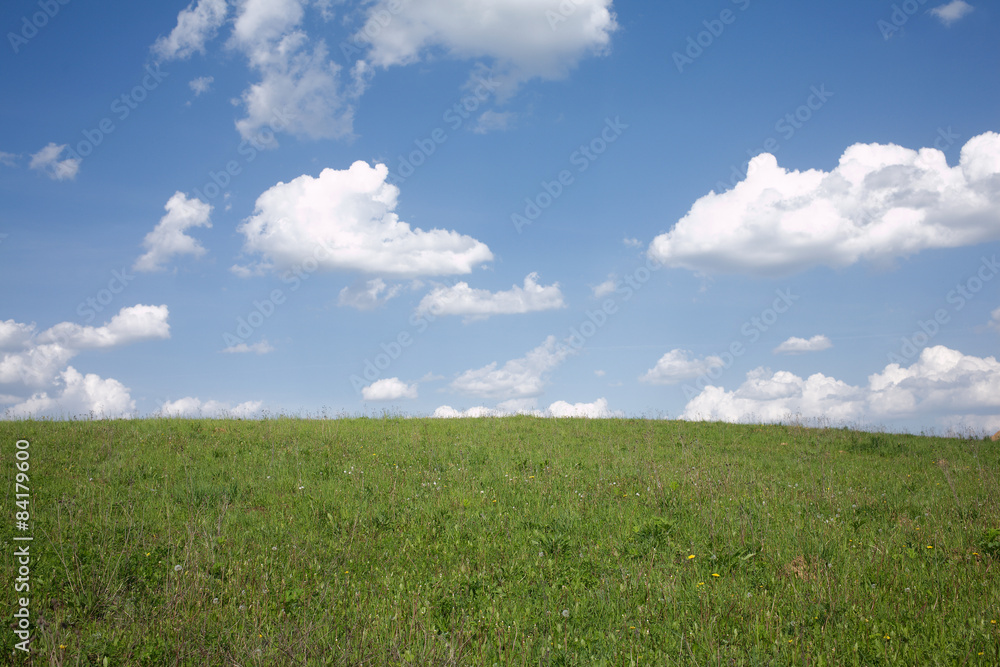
pixel 480 304
pixel 195 25
pixel 168 238
pixel 596 410
pixel 448 412
pixel 366 295
pixel 607 287
pixel 345 220
pixel 201 85
pixel 678 365
pixel 249 271
pixel 994 322
pixel 800 345
pixel 263 347
pixel 600 374
pixel 632 243
pixel 524 377
pixel 324 8
pixel 8 159
pixel 953 11
pixel 389 389
pixel 47 161
pixel 494 121
pixel 190 406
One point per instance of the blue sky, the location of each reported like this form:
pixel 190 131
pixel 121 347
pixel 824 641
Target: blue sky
pixel 737 210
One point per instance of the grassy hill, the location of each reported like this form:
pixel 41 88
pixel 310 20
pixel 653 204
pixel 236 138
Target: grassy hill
pixel 509 541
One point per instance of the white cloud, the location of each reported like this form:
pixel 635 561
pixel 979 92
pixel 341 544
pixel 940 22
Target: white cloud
pixel 974 424
pixel 47 161
pixel 168 239
pixel 130 325
pixel 261 347
pixel 599 373
pixel 607 287
pixel 266 20
pixel 448 412
pixel 679 365
pixel 201 85
pixel 298 90
pixel 345 220
pixel 367 294
pixel 195 25
pixel 941 383
pixel 559 409
pixel 15 335
pixel 940 379
pixel 78 395
pixel 480 304
pixel 880 203
pixel 324 8
pixel 37 366
pixel 37 361
pixel 518 378
pixel 389 389
pixel 493 121
pixel 800 345
pixel 524 39
pixel 8 159
pixel 190 406
pixel 632 242
pixel 596 410
pixel 952 11
pixel 769 397
pixel 299 85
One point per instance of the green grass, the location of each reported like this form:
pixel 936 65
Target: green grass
pixel 513 541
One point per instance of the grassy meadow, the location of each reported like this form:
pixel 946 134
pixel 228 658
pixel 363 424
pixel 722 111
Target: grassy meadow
pixel 503 541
